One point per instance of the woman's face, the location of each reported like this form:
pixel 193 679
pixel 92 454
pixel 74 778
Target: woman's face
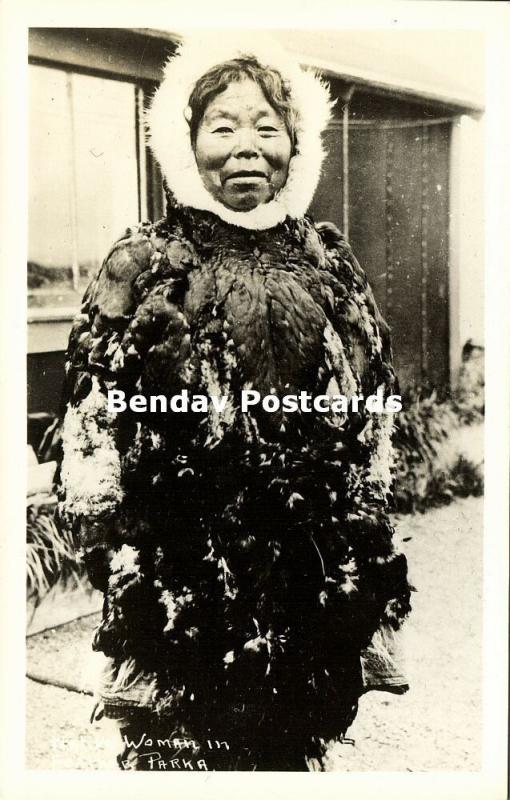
pixel 242 147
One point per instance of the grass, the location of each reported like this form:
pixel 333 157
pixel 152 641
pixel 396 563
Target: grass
pixel 51 554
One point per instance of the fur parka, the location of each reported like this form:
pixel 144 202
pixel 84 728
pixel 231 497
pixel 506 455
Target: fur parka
pixel 246 559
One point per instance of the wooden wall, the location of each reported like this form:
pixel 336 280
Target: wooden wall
pixel 397 218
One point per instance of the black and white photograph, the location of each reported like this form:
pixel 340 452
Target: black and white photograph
pixel 255 400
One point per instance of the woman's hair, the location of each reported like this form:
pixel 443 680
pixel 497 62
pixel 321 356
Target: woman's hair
pixel 219 77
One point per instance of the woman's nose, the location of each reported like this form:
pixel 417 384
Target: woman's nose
pixel 246 144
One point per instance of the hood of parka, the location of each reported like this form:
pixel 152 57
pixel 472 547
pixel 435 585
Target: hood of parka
pixel 169 131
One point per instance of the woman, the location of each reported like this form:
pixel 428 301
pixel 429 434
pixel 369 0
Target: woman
pixel 246 557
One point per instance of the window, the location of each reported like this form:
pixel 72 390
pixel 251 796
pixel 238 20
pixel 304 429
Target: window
pixel 87 157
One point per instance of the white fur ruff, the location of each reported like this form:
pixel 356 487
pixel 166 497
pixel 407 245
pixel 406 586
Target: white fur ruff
pixel 169 133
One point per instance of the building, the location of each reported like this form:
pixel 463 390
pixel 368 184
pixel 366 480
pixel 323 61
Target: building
pixel 403 178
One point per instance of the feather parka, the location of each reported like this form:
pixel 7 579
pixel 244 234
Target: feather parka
pixel 246 559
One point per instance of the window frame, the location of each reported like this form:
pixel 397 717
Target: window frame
pixel 48 328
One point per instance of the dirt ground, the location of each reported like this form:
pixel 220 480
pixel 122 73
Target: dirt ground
pixel 435 726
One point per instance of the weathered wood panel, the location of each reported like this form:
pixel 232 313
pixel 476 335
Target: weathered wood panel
pixel 438 252
pixel 367 223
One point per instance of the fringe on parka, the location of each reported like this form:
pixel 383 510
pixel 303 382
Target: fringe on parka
pixel 246 559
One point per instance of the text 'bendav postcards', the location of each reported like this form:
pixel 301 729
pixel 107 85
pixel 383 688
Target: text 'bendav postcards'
pixel 184 402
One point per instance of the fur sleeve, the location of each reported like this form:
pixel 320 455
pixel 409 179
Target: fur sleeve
pixel 359 330
pixel 361 335
pixel 90 478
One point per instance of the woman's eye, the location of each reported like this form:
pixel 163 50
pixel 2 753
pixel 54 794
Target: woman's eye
pixel 223 129
pixel 267 129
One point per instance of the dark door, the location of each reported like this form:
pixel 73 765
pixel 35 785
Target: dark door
pixel 397 219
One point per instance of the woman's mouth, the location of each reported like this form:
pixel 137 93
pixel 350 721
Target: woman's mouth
pixel 246 177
